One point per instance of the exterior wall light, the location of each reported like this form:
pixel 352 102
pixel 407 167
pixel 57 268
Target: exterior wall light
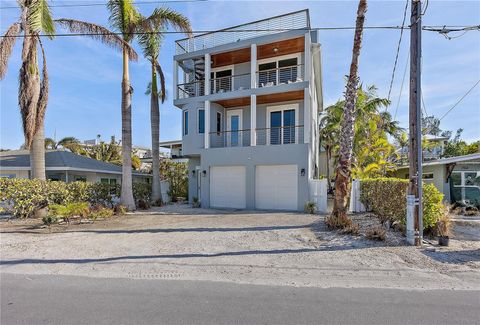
pixel 302 172
pixel 204 172
pixel 193 172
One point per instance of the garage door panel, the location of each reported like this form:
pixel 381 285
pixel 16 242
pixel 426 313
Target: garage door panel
pixel 276 187
pixel 228 187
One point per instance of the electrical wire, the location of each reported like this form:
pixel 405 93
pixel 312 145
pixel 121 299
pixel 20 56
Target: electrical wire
pixel 430 29
pixel 401 87
pixel 398 50
pixel 104 4
pixel 458 102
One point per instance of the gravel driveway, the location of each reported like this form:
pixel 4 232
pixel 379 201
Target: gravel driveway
pixel 178 242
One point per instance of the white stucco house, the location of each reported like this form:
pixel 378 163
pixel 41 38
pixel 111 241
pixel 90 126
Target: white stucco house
pixel 250 97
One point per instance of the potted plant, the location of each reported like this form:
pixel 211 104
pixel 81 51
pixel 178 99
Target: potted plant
pixel 196 202
pixel 443 228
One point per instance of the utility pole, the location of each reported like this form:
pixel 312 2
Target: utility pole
pixel 414 197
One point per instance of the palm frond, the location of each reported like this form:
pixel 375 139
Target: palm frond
pixel 99 33
pixel 163 17
pixel 124 17
pixel 40 18
pixel 162 82
pixel 6 46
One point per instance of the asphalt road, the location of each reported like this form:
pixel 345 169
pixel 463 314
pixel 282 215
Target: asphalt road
pixel 57 299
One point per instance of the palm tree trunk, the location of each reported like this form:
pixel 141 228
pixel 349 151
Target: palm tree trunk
pixel 155 126
pixel 126 197
pixel 342 180
pixel 328 153
pixel 37 155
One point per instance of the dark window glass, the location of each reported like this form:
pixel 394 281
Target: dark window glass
pixel 267 75
pixel 289 126
pixel 219 122
pixel 456 179
pixel 275 127
pixel 223 80
pixel 185 122
pixel 201 121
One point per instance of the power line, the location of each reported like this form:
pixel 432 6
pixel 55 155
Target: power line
pixel 401 87
pixel 398 49
pixel 458 102
pixel 242 30
pixel 104 4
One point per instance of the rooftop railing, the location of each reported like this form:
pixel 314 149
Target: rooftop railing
pixel 291 21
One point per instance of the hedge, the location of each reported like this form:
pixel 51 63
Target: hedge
pixel 386 197
pixel 22 197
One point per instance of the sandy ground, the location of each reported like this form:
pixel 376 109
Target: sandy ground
pixel 178 242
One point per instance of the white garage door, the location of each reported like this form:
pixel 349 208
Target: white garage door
pixel 276 187
pixel 227 187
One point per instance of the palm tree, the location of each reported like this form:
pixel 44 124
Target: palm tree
pixel 70 143
pixel 35 19
pixel 151 43
pixel 343 170
pixel 126 19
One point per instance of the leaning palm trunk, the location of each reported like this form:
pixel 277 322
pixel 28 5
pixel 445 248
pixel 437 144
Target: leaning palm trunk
pixel 155 126
pixel 343 169
pixel 127 190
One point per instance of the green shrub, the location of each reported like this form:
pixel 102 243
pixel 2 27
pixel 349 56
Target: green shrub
pixel 69 210
pixel 142 191
pixel 310 207
pixel 23 196
pixel 101 212
pixel 386 197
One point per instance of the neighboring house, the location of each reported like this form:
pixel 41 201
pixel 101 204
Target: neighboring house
pixel 250 102
pixel 62 165
pixel 434 150
pixel 458 178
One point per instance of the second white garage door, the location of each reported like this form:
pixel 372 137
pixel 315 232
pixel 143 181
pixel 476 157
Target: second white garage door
pixel 228 187
pixel 276 187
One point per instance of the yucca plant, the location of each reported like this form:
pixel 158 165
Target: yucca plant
pixel 36 19
pixel 151 42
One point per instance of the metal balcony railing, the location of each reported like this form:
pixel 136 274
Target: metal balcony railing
pixel 280 135
pixel 265 136
pixel 279 76
pixel 291 21
pixel 224 139
pixel 191 89
pixel 230 83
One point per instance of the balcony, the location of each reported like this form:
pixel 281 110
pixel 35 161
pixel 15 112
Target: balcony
pixel 264 136
pixel 291 21
pixel 265 78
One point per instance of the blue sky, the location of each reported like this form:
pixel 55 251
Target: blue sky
pixel 85 75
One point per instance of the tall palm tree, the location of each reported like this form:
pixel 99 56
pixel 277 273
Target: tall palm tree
pixel 33 91
pixel 126 19
pixel 70 143
pixel 151 43
pixel 343 170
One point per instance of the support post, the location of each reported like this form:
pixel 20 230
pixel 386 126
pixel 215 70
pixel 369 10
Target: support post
pixel 175 79
pixel 253 66
pixel 208 70
pixel 253 120
pixel 415 120
pixel 207 124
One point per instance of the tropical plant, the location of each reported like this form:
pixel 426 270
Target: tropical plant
pixel 343 170
pixel 176 173
pixel 372 153
pixel 70 143
pixel 150 43
pixel 34 20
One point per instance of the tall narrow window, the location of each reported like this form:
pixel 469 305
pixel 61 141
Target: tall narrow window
pixel 219 122
pixel 185 122
pixel 201 121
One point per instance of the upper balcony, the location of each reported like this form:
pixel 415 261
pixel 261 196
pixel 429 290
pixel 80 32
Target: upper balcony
pixel 292 21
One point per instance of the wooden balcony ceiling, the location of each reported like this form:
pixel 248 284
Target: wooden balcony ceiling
pixel 265 51
pixel 263 99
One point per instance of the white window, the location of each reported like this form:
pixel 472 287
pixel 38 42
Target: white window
pixel 221 79
pixel 279 70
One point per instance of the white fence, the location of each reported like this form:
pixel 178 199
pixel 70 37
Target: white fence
pixel 355 204
pixel 165 188
pixel 318 194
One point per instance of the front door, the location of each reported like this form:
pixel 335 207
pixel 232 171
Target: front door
pixel 234 128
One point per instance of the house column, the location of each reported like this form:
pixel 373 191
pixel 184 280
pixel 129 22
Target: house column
pixel 253 98
pixel 175 79
pixel 208 69
pixel 253 66
pixel 253 120
pixel 307 116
